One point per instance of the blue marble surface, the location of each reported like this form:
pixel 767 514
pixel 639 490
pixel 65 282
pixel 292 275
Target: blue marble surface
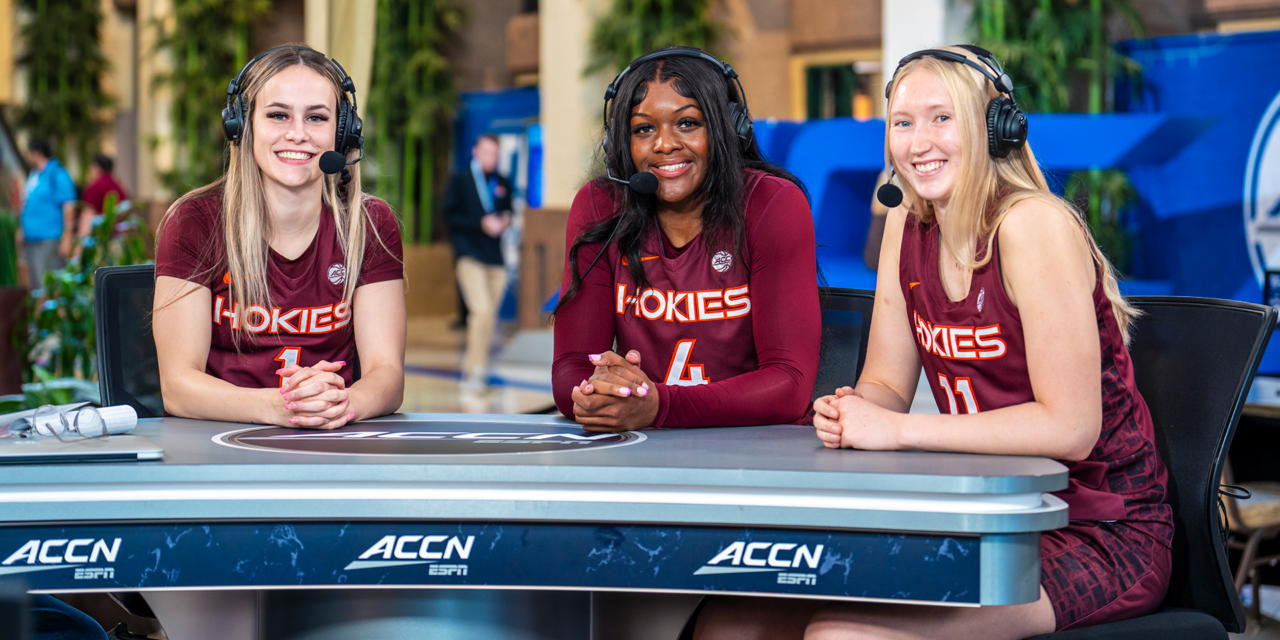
pixel 919 567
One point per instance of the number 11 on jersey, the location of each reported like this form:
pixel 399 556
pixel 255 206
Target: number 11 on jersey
pixel 964 389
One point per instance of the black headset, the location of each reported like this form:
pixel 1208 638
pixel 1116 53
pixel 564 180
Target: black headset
pixel 742 124
pixel 350 128
pixel 1006 125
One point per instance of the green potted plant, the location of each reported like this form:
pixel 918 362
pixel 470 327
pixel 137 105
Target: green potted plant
pixel 12 305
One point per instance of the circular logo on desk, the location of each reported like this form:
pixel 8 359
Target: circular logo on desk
pixel 433 438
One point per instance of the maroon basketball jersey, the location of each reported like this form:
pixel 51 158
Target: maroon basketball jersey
pixel 975 359
pixel 308 321
pixel 718 356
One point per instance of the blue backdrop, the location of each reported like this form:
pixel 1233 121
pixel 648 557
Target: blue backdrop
pixel 1191 215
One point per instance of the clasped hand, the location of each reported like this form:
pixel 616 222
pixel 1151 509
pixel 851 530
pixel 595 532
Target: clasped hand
pixel 617 397
pixel 846 419
pixel 314 397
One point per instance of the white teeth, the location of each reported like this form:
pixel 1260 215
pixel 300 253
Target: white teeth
pixel 673 167
pixel 929 166
pixel 294 155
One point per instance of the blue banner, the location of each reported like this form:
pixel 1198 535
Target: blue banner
pixel 930 568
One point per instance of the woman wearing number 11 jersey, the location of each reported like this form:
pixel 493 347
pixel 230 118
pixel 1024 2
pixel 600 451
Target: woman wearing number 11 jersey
pixel 270 279
pixel 708 286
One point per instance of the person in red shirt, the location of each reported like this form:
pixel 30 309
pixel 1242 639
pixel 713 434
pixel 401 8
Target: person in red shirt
pixel 270 279
pixel 101 183
pixel 1006 301
pixel 708 286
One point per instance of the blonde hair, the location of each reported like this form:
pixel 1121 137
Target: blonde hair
pixel 246 224
pixel 988 187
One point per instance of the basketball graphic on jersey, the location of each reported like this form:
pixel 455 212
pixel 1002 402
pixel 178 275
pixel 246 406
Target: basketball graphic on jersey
pixel 721 261
pixel 337 273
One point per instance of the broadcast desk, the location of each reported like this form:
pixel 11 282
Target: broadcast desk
pixel 531 503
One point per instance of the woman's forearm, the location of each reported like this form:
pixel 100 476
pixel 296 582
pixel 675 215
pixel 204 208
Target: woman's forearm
pixel 379 391
pixel 195 394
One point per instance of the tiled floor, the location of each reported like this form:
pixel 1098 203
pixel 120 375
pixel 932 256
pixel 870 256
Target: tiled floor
pixel 521 380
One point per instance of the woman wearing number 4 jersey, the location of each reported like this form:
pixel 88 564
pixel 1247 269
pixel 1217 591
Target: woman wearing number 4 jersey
pixel 270 279
pixel 1013 312
pixel 708 286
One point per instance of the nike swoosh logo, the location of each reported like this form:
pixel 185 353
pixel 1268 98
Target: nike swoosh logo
pixel 912 285
pixel 642 259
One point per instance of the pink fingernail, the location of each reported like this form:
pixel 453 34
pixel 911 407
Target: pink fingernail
pixel 291 406
pixel 589 388
pixel 626 391
pixel 284 392
pixel 351 416
pixel 278 371
pixel 341 363
pixel 645 386
pixel 642 391
pixel 293 421
pixel 593 357
pixel 347 401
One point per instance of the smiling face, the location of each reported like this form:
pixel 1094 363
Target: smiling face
pixel 294 121
pixel 669 139
pixel 924 137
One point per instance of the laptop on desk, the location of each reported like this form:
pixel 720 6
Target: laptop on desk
pixel 54 451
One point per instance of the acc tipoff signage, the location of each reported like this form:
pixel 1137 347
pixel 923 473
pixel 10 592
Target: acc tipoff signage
pixel 1262 194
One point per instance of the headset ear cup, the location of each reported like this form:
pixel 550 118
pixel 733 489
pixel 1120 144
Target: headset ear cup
pixel 742 125
pixel 993 130
pixel 340 137
pixel 232 120
pixel 1006 127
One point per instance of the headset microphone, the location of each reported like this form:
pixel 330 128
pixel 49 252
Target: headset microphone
pixel 644 183
pixel 889 194
pixel 332 162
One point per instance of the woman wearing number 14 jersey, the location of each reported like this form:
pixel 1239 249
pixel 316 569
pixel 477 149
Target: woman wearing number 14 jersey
pixel 708 286
pixel 270 279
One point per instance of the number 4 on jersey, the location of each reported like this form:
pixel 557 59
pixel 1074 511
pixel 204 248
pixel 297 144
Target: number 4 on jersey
pixel 964 389
pixel 681 372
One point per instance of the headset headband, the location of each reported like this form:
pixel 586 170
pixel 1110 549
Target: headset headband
pixel 233 89
pixel 993 71
pixel 739 113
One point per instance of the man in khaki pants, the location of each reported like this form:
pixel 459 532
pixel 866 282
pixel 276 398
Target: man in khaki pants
pixel 477 208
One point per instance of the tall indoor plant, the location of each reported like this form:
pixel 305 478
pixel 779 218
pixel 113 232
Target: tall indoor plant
pixel 60 337
pixel 63 60
pixel 411 103
pixel 12 305
pixel 1049 46
pixel 207 43
pixel 631 28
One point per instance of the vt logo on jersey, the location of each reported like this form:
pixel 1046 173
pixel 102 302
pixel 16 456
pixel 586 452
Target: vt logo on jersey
pixel 686 306
pixel 959 343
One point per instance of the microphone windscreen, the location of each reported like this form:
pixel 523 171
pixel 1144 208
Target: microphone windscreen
pixel 332 162
pixel 644 182
pixel 889 195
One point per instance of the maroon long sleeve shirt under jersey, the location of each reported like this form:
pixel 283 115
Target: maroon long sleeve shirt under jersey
pixel 727 339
